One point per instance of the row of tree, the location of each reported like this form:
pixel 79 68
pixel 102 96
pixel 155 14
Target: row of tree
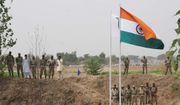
pixel 90 62
pixel 73 59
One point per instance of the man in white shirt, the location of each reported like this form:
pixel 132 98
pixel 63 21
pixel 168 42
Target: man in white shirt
pixel 59 66
pixel 26 67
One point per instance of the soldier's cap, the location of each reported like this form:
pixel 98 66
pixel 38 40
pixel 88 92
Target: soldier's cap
pixel 133 86
pixel 142 85
pixel 122 86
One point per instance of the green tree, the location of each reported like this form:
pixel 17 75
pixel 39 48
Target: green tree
pixel 80 60
pixel 69 58
pixel 115 60
pixel 93 65
pixel 102 57
pixel 86 56
pixel 6 32
pixel 174 52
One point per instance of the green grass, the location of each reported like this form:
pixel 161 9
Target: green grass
pixel 116 73
pixel 6 74
pixel 137 72
pixel 133 72
pixel 152 72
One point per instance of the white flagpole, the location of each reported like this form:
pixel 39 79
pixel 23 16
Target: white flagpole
pixel 119 22
pixel 120 73
pixel 110 60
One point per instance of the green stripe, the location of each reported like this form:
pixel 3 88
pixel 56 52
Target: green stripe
pixel 138 40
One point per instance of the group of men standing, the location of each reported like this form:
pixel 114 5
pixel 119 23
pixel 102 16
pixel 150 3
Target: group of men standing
pixel 132 96
pixel 28 67
pixel 127 63
pixel 144 61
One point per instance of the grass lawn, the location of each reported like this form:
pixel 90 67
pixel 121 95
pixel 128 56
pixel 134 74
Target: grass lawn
pixel 116 73
pixel 137 72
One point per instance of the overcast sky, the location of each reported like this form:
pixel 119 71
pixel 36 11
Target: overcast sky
pixel 84 25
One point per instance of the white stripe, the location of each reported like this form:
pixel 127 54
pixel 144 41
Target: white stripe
pixel 129 26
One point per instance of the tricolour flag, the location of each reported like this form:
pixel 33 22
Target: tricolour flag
pixel 135 31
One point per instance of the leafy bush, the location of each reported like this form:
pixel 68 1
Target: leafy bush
pixel 93 66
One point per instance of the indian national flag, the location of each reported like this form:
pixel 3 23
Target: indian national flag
pixel 135 31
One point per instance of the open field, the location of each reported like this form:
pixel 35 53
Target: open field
pixel 133 70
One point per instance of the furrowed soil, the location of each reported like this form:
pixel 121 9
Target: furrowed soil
pixel 88 90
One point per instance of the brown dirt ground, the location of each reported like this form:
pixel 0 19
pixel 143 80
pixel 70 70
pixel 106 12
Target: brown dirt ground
pixel 70 91
pixel 88 90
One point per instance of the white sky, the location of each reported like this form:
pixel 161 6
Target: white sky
pixel 84 25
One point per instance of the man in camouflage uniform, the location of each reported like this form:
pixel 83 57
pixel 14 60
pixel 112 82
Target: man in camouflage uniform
pixel 134 95
pixel 33 65
pixel 144 66
pixel 126 65
pixel 147 93
pixel 123 95
pixel 115 94
pixel 128 95
pixel 10 64
pixel 154 94
pixel 168 65
pixel 141 95
pixel 43 64
pixel 19 61
pixel 52 64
